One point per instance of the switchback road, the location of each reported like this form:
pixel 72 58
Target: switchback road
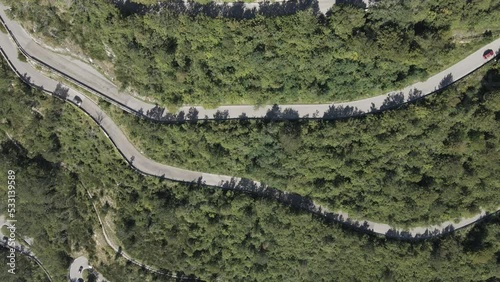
pixel 91 79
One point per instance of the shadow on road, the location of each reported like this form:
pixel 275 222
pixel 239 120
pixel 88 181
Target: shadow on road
pixel 234 10
pixel 447 80
pixel 357 3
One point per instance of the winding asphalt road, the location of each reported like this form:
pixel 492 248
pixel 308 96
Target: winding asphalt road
pixel 87 77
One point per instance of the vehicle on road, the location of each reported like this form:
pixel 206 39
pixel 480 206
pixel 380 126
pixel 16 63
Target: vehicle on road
pixel 78 101
pixel 488 53
pixel 80 269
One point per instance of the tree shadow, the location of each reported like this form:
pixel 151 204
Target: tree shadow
pixel 275 113
pixel 26 78
pixel 491 80
pixel 414 94
pixel 357 3
pixel 393 100
pixel 290 114
pixel 221 115
pixel 156 112
pixel 244 120
pixel 403 234
pixel 446 81
pixel 337 112
pixel 192 114
pixel 61 91
pixel 181 116
pixel 475 240
pixel 243 116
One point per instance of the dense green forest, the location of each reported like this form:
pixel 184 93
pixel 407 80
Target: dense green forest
pixel 221 236
pixel 427 162
pixel 180 58
pixel 214 234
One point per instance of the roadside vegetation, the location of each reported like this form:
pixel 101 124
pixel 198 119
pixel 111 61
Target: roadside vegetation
pixel 180 58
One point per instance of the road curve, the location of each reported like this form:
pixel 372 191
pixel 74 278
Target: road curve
pixel 89 78
pixel 144 165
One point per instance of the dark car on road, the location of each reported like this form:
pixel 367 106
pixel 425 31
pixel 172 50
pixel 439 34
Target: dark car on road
pixel 78 101
pixel 488 53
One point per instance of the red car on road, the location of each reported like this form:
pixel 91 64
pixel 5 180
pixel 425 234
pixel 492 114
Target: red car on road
pixel 488 53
